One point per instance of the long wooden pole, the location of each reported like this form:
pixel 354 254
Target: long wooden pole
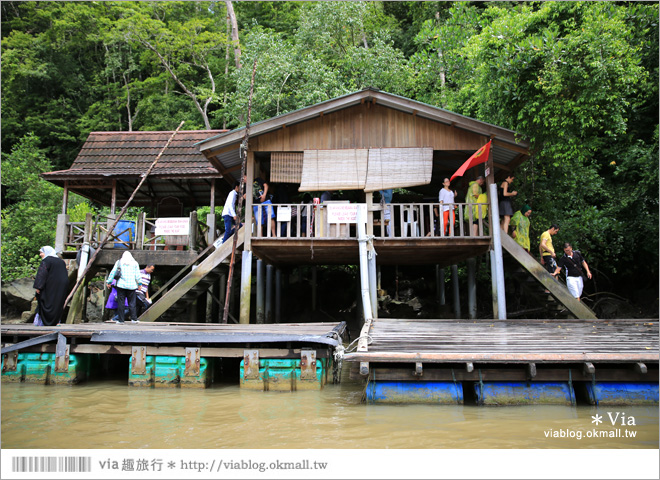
pixel 123 210
pixel 244 150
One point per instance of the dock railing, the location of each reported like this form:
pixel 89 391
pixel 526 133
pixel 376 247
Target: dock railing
pixel 138 234
pixel 390 221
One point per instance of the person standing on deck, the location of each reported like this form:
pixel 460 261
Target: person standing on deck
pixel 261 196
pixel 547 251
pixel 573 263
pixel 520 224
pixel 229 214
pixel 143 299
pixel 129 280
pixel 474 191
pixel 446 199
pixel 506 207
pixel 51 284
pixel 386 199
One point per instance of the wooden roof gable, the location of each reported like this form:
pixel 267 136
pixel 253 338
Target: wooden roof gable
pixel 413 107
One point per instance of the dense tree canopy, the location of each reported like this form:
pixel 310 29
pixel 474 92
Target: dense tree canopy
pixel 579 80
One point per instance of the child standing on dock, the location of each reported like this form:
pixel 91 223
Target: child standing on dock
pixel 143 299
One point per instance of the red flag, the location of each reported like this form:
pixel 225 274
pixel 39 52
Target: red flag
pixel 480 156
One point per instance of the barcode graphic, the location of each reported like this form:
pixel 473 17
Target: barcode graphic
pixel 51 464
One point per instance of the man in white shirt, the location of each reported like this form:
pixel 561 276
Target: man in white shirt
pixel 229 213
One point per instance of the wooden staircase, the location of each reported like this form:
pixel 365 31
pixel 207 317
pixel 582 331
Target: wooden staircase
pixel 557 290
pixel 197 280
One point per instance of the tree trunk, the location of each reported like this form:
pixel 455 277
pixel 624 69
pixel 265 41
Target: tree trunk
pixel 234 33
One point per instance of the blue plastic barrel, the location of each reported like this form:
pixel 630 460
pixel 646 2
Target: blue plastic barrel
pixel 520 393
pixel 439 393
pixel 619 393
pixel 124 231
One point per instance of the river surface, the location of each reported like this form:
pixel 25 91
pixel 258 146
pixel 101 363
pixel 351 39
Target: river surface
pixel 109 414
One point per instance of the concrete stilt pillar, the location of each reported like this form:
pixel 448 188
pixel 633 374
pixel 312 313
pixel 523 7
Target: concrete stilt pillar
pixel 246 286
pixel 261 291
pixel 314 280
pixel 278 295
pixel 493 284
pixel 440 285
pixel 498 271
pixel 373 294
pixel 472 288
pixel 457 297
pixel 269 293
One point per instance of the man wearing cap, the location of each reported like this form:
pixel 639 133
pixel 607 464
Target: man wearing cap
pixel 520 224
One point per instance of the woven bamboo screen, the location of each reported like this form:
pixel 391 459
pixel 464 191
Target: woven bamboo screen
pixel 398 168
pixel 286 167
pixel 334 170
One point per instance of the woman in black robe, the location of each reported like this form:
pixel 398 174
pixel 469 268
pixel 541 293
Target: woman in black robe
pixel 52 285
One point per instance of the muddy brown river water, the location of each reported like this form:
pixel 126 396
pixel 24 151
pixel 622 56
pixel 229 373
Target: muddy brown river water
pixel 108 414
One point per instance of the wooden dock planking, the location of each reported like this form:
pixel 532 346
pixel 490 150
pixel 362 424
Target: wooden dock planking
pixel 218 339
pixel 519 341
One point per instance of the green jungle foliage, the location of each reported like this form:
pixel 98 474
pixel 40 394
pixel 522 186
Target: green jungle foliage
pixel 579 80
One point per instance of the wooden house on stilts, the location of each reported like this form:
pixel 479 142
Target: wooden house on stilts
pixel 362 143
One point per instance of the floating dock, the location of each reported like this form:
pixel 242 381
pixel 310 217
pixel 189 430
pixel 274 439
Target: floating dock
pixel 508 362
pixel 288 357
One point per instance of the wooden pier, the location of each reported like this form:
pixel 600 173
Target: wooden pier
pixel 520 350
pixel 180 352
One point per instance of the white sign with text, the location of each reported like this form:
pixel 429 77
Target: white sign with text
pixel 173 226
pixel 345 212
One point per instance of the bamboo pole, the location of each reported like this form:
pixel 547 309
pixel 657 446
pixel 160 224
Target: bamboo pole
pixel 244 150
pixel 123 210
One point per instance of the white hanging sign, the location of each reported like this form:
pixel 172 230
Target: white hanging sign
pixel 345 212
pixel 173 226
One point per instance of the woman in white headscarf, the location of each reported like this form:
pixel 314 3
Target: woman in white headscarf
pixel 127 273
pixel 52 285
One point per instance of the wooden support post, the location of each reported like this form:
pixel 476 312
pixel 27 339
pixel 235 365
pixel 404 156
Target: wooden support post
pixel 110 222
pixel 61 355
pixel 457 297
pixel 65 197
pixel 210 302
pixel 61 232
pixel 192 234
pixel 139 231
pixel 261 291
pixel 269 293
pixel 211 222
pixel 588 368
pixel 531 370
pixel 113 199
pixel 212 199
pixel 472 288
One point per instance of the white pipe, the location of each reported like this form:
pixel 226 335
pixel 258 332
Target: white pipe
pixel 364 268
pixel 497 249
